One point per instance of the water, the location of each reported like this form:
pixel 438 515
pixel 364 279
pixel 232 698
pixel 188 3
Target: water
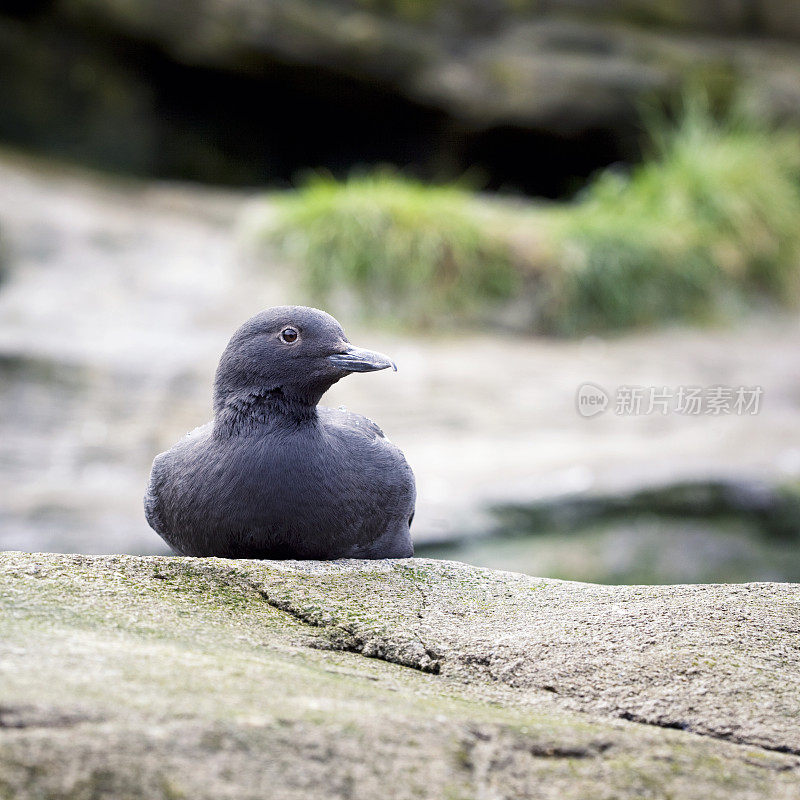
pixel 642 549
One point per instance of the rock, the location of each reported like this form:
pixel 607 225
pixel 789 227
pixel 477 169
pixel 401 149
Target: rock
pixel 156 677
pixel 224 91
pixel 156 283
pixel 567 68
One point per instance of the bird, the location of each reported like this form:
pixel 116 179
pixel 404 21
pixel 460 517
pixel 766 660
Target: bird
pixel 275 475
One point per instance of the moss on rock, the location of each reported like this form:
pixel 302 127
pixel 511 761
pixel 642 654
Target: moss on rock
pixel 154 677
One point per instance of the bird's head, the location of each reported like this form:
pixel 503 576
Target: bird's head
pixel 295 352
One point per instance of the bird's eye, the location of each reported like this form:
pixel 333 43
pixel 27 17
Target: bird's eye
pixel 289 335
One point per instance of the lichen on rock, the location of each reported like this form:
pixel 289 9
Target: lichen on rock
pixel 155 677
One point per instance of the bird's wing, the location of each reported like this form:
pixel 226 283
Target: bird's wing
pixel 152 507
pixel 160 474
pixel 351 424
pixel 342 418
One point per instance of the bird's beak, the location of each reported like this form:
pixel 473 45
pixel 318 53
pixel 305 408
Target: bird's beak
pixel 356 359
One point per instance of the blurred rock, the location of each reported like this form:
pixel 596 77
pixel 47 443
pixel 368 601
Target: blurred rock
pixel 169 677
pixel 121 295
pixel 483 80
pixel 634 549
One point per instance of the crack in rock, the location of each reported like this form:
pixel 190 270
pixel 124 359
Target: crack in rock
pixel 681 725
pixel 491 754
pixel 345 637
pixel 405 647
pixel 21 717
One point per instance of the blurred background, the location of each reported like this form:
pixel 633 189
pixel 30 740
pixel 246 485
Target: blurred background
pixel 513 198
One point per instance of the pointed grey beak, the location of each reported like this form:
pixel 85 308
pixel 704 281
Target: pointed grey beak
pixel 356 359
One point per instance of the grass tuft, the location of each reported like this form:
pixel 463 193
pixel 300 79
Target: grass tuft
pixel 707 223
pixel 712 213
pixel 408 249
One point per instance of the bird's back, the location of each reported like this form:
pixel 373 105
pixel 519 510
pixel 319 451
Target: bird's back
pixel 335 488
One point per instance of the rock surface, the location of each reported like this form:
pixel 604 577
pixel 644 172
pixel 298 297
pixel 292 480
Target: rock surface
pixel 491 62
pixel 146 87
pixel 155 677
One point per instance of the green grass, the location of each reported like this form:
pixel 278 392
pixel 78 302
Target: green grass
pixel 714 213
pixel 708 223
pixel 407 249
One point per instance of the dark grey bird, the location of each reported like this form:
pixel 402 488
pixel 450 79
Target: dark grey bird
pixel 275 475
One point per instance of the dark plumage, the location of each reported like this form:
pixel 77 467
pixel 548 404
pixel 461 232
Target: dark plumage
pixel 274 475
